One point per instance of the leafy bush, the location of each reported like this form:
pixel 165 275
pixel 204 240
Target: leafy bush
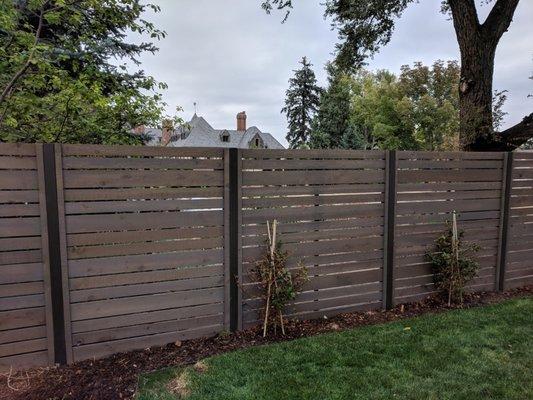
pixel 452 262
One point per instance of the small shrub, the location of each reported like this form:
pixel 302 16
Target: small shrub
pixel 278 285
pixel 452 262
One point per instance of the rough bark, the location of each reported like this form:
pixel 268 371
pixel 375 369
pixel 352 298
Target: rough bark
pixel 477 43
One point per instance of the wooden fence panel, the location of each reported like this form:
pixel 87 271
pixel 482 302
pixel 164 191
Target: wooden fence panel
pixel 144 231
pixel 431 186
pixel 330 207
pixel 25 327
pixel 151 239
pixel 519 266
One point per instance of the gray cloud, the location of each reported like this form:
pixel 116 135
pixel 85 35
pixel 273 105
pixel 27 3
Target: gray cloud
pixel 229 56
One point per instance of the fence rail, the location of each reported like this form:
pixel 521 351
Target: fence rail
pixel 108 249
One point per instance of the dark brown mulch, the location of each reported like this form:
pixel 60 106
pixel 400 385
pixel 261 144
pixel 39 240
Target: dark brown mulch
pixel 116 377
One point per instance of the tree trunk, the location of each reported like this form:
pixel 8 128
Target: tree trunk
pixel 475 95
pixel 478 43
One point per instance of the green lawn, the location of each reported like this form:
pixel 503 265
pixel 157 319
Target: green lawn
pixel 480 353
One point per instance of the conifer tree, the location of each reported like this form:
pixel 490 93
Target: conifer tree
pixel 332 119
pixel 301 104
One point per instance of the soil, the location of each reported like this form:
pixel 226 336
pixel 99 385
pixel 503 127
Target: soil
pixel 116 377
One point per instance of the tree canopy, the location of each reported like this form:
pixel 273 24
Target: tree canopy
pixel 416 110
pixel 63 73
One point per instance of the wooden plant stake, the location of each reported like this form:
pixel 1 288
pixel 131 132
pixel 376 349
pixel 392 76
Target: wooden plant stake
pixel 272 243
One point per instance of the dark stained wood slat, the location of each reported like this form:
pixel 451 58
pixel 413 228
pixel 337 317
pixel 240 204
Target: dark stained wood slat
pixel 16 163
pixel 311 177
pixel 142 193
pixel 140 206
pixel 144 178
pixel 116 222
pixel 113 163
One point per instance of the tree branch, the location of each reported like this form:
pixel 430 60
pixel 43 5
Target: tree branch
pixel 465 20
pixel 499 19
pixel 27 64
pixel 518 134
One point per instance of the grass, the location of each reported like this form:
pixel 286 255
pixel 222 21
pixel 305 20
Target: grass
pixel 479 353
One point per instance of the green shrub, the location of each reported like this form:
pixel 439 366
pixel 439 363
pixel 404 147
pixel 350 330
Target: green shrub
pixel 452 262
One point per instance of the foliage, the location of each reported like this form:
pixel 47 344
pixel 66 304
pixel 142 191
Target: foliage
pixel 452 262
pixel 64 74
pixel 332 119
pixel 278 286
pixel 416 110
pixel 432 103
pixel 479 353
pixel 498 101
pixel 301 104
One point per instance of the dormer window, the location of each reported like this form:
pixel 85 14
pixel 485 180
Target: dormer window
pixel 224 136
pixel 256 142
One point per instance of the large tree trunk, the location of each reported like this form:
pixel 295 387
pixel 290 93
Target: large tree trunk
pixel 475 95
pixel 477 43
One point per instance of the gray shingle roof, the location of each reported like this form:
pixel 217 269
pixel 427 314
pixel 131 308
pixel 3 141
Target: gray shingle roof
pixel 198 133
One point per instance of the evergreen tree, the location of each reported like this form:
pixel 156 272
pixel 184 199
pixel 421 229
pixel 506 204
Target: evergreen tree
pixel 64 74
pixel 352 139
pixel 332 119
pixel 301 104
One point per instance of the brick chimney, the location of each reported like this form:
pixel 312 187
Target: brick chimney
pixel 166 132
pixel 241 121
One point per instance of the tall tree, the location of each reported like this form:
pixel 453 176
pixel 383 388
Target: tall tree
pixel 301 104
pixel 433 103
pixel 332 119
pixel 365 26
pixel 63 73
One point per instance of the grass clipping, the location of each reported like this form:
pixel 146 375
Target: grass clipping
pixel 180 385
pixel 277 284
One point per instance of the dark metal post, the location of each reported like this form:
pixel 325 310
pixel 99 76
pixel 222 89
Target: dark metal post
pixel 52 219
pixel 234 210
pixel 389 227
pixel 504 219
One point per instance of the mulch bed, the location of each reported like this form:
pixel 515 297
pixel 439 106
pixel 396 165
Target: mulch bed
pixel 116 377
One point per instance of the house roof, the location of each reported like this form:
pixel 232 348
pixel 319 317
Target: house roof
pixel 199 133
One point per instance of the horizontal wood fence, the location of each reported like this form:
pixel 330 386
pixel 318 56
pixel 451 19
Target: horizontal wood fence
pixel 108 249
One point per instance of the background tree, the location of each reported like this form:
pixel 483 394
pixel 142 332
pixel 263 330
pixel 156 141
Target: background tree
pixel 332 119
pixel 59 75
pixel 365 26
pixel 301 104
pixel 378 110
pixel 433 103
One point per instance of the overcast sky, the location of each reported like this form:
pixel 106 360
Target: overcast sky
pixel 229 56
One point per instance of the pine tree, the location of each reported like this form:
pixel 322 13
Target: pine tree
pixel 352 139
pixel 301 104
pixel 332 119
